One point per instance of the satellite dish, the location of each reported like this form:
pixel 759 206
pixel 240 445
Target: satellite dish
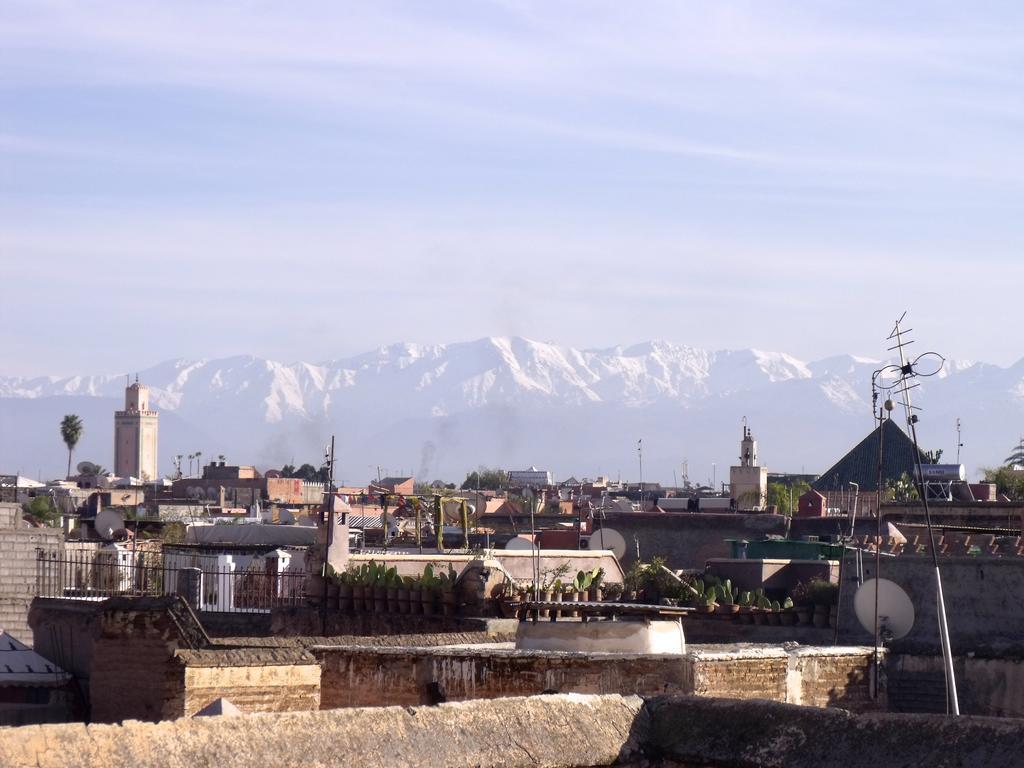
pixel 107 522
pixel 307 521
pixel 452 511
pixel 272 474
pixel 87 468
pixel 520 543
pixel 286 516
pixel 895 610
pixel 608 538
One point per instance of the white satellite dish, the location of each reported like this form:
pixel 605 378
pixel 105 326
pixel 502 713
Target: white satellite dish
pixel 286 516
pixel 608 538
pixel 87 468
pixel 107 521
pixel 520 543
pixel 895 609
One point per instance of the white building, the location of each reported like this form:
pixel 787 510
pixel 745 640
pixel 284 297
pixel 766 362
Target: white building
pixel 748 482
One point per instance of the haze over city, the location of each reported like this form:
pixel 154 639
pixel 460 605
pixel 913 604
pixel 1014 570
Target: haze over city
pixel 197 181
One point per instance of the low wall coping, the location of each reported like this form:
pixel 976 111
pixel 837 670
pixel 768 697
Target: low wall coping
pixel 245 657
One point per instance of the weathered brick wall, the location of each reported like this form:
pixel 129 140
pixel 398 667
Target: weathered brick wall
pixel 18 554
pixel 254 680
pixel 536 731
pixel 747 674
pixel 357 676
pixel 688 540
pixel 834 677
pixel 135 678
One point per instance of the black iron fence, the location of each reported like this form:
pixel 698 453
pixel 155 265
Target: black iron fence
pixel 207 583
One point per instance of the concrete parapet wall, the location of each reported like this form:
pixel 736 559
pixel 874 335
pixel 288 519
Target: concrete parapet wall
pixel 359 676
pixel 356 676
pixel 537 731
pixel 984 604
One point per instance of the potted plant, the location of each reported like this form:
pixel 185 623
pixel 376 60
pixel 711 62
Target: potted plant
pixel 726 598
pixel 744 602
pixel 823 594
pixel 404 588
pixel 446 581
pixel 762 607
pixel 803 605
pixel 391 582
pixel 612 592
pixel 596 585
pixel 775 608
pixel 344 580
pixel 428 595
pixel 359 589
pixel 380 590
pixel 788 616
pixel 416 595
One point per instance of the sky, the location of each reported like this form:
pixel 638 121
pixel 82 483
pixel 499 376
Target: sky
pixel 305 181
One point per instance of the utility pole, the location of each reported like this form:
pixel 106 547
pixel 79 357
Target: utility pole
pixel 640 453
pixel 327 519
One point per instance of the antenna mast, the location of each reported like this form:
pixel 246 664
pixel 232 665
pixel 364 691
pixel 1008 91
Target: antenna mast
pixel 904 383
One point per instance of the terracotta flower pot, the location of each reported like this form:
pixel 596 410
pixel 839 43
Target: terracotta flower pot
pixel 345 598
pixel 403 600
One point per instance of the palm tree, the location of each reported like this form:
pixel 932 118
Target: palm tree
pixel 1017 457
pixel 71 433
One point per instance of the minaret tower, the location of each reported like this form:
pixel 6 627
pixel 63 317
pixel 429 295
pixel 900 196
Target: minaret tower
pixel 135 435
pixel 748 482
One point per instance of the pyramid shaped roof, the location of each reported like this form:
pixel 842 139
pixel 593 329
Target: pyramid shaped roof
pixel 20 665
pixel 217 707
pixel 860 465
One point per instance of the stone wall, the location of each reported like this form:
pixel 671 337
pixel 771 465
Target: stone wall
pixel 356 676
pixel 536 731
pixel 748 674
pixel 984 604
pixel 688 540
pixel 985 686
pixel 254 680
pixel 19 545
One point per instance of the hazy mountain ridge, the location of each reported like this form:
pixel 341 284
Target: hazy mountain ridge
pixel 446 408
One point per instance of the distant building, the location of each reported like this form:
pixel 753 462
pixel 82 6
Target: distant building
pixel 135 435
pixel 811 504
pixel 532 478
pixel 397 485
pixel 860 465
pixel 748 482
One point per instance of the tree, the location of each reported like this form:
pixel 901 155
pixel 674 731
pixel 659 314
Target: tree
pixel 485 479
pixel 70 433
pixel 1007 481
pixel 1017 457
pixel 42 510
pixel 305 472
pixel 933 456
pixel 904 489
pixel 779 495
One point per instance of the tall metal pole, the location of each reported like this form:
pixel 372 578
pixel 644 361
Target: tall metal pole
pixel 878 539
pixel 640 453
pixel 953 705
pixel 327 518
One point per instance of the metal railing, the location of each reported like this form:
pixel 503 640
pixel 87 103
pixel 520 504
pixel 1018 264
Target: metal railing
pixel 204 582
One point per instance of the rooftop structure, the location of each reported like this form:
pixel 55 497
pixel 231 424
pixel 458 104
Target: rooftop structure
pixel 136 435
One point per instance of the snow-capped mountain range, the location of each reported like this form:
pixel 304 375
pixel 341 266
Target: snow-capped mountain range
pixel 441 410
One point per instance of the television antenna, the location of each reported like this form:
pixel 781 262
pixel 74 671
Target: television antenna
pixel 903 379
pixel 959 440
